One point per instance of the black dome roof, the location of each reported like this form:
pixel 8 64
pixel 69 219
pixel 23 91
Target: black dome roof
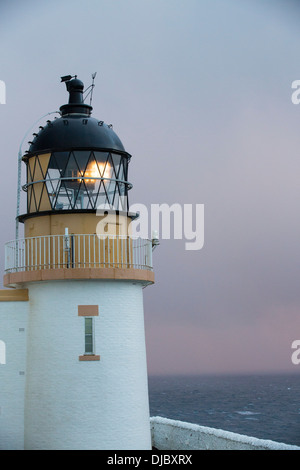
pixel 75 131
pixel 75 128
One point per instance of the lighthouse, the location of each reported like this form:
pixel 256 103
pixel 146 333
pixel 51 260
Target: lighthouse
pixel 82 276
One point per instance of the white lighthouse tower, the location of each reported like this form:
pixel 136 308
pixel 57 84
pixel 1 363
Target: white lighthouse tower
pixel 86 374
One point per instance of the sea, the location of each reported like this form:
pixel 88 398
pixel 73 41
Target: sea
pixel 262 406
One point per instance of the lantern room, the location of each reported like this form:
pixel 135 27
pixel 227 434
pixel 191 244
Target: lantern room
pixel 76 162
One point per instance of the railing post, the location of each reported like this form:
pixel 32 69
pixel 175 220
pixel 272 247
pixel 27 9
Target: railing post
pixel 16 253
pixel 6 258
pixel 149 253
pixel 67 246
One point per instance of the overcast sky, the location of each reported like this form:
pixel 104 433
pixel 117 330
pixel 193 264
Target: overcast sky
pixel 199 92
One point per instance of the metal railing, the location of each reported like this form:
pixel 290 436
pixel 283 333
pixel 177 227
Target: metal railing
pixel 77 251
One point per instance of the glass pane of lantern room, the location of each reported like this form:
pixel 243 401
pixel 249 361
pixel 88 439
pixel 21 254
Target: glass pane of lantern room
pixel 58 161
pixel 64 198
pixel 116 163
pixel 78 193
pixel 56 193
pixel 92 180
pixel 104 164
pixel 82 158
pixel 70 193
pixel 52 184
pixel 120 165
pixel 110 187
pixel 123 201
pixel 106 170
pixel 101 157
pixel 124 168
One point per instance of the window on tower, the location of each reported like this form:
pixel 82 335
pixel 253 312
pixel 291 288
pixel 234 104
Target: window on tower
pixel 88 336
pixel 89 312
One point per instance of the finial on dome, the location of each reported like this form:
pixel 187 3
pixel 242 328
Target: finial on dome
pixel 76 104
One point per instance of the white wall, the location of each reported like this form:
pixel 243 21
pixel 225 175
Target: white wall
pixel 86 405
pixel 168 434
pixel 13 318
